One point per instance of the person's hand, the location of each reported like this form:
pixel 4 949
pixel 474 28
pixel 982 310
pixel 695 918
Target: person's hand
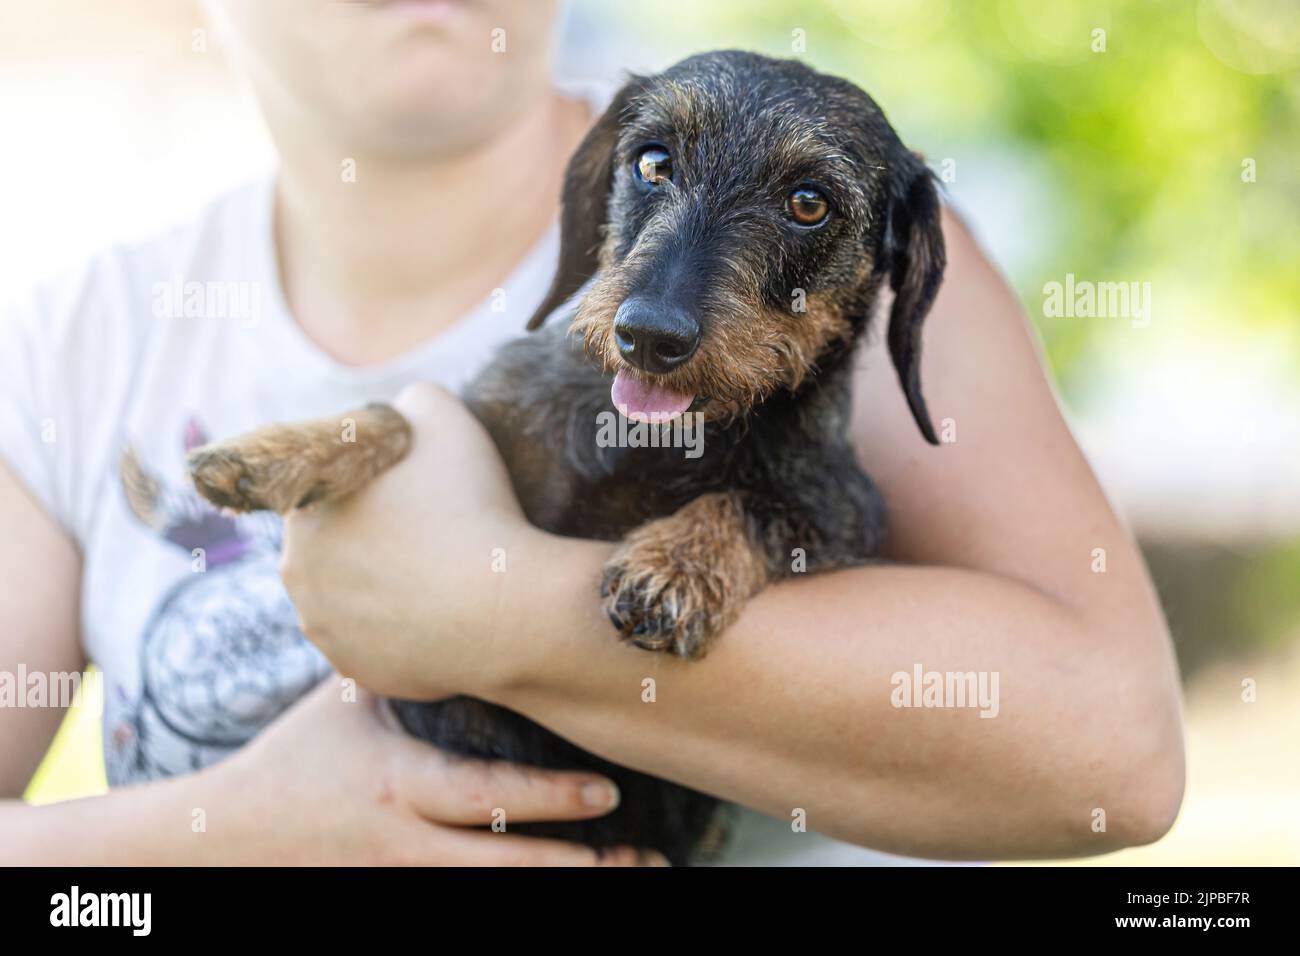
pixel 404 585
pixel 330 782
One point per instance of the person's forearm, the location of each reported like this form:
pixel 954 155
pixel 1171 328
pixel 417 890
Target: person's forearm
pixel 792 708
pixel 173 822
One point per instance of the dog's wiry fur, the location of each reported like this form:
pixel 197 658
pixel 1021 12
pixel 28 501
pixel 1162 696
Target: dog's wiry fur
pixel 282 467
pixel 699 536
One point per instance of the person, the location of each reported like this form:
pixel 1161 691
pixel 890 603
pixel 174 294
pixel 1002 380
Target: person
pixel 407 231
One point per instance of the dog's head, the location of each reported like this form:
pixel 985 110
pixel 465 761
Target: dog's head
pixel 739 215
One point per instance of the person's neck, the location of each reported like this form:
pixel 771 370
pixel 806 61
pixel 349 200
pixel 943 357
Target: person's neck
pixel 374 265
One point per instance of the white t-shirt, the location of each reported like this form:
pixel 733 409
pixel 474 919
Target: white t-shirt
pixel 109 375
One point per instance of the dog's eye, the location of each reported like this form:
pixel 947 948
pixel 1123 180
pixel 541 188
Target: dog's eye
pixel 654 166
pixel 808 207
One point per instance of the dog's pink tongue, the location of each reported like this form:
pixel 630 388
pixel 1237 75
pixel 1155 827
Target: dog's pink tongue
pixel 644 402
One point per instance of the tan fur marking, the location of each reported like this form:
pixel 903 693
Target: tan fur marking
pixel 282 467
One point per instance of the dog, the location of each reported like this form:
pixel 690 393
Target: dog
pixel 726 229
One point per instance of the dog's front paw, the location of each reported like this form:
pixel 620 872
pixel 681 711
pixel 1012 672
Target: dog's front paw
pixel 243 474
pixel 678 582
pixel 282 467
pixel 659 609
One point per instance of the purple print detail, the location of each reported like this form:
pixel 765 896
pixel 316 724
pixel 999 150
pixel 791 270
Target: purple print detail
pixel 183 518
pixel 194 435
pixel 217 534
pixel 222 653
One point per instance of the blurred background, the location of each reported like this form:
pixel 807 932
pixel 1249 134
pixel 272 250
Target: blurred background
pixel 1148 141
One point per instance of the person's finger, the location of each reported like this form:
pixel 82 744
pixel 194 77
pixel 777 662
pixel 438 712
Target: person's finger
pixel 478 848
pixel 466 792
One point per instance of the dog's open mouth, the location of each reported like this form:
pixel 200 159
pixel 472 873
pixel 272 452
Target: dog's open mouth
pixel 643 401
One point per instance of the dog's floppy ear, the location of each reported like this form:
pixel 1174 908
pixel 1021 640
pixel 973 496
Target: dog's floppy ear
pixel 584 203
pixel 914 245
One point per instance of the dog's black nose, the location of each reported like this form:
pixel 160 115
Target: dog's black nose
pixel 654 336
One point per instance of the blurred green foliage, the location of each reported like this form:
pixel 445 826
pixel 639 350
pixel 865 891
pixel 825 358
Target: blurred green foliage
pixel 1225 602
pixel 1141 145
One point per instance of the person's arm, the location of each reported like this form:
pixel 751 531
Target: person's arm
pixel 792 708
pixel 328 782
pixel 40 577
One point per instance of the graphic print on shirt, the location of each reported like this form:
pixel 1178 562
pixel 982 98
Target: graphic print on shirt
pixel 221 654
